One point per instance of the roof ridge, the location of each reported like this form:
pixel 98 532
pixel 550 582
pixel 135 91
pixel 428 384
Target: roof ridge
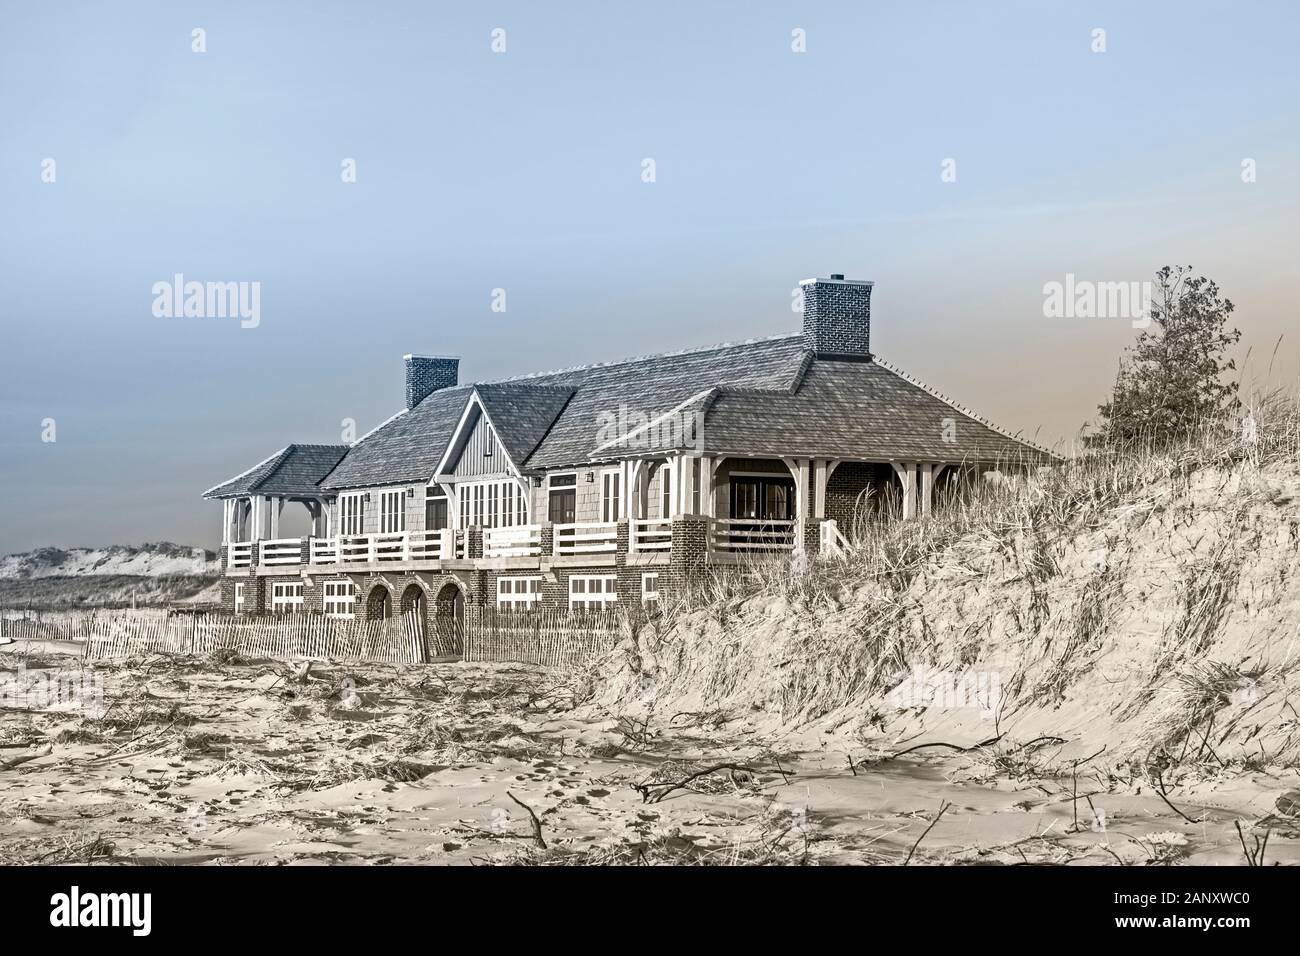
pixel 908 377
pixel 643 358
pixel 558 388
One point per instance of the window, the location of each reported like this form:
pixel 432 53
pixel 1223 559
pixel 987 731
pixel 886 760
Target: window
pixel 488 442
pixel 666 488
pixel 518 594
pixel 435 512
pixel 762 498
pixel 609 496
pixel 492 504
pixel 696 466
pixel 339 599
pixel 239 599
pixel 352 509
pixel 592 592
pixel 650 587
pixel 562 502
pixel 392 511
pixel 286 598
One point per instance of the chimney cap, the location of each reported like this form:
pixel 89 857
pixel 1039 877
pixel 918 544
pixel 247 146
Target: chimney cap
pixel 838 277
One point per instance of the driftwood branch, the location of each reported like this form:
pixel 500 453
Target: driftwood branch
pixel 655 792
pixel 1160 780
pixel 985 743
pixel 943 807
pixel 537 824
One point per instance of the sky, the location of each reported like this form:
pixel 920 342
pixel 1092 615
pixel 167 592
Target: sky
pixel 961 156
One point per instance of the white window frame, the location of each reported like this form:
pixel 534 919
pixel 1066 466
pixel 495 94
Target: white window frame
pixel 587 599
pixel 352 513
pixel 286 597
pixel 239 597
pixel 339 599
pixel 550 485
pixel 392 511
pixel 649 594
pixel 666 490
pixel 611 498
pixel 511 597
pixel 499 503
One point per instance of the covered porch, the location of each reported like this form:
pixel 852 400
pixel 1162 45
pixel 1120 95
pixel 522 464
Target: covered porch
pixel 756 504
pixel 251 523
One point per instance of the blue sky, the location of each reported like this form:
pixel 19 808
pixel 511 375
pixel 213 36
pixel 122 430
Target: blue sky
pixel 522 171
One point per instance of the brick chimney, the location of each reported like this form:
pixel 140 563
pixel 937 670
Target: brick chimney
pixel 837 317
pixel 428 373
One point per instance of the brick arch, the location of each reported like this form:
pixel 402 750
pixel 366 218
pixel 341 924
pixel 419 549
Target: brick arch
pixel 378 602
pixel 446 636
pixel 414 596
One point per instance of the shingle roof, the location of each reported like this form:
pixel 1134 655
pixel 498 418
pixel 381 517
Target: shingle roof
pixel 654 385
pixel 848 409
pixel 293 470
pixel 407 447
pixel 522 413
pixel 762 397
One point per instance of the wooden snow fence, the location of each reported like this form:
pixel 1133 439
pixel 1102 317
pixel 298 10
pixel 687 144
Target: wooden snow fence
pixel 550 637
pixel 394 641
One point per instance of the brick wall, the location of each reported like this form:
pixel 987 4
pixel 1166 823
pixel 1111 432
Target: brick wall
pixel 847 483
pixel 425 374
pixel 837 317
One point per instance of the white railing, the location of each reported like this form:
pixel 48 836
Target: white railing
pixel 519 541
pixel 240 554
pixel 279 551
pixel 652 534
pixel 831 540
pixel 324 550
pixel 393 546
pixel 440 545
pixel 750 534
pixel 585 538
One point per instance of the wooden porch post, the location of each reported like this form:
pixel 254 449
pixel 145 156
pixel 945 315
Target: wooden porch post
pixel 684 485
pixel 636 495
pixel 799 468
pixel 820 473
pixel 706 487
pixel 926 487
pixel 908 474
pixel 625 509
